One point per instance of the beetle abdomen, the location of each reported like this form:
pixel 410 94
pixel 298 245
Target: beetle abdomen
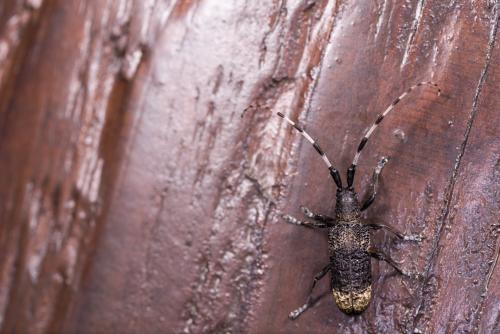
pixel 351 266
pixel 351 280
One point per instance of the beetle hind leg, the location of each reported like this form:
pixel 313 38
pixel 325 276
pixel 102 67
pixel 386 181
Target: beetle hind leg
pixel 379 255
pixel 310 300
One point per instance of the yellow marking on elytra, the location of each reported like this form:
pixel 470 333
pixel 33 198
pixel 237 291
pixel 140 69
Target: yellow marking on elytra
pixel 353 302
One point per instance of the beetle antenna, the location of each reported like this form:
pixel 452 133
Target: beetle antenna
pixel 333 171
pixel 380 117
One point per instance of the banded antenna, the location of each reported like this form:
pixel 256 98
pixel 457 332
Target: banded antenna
pixel 380 117
pixel 333 171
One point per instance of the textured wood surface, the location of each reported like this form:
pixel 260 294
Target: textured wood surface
pixel 143 172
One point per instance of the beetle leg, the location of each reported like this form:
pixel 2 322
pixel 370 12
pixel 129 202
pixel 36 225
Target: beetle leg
pixel 321 218
pixel 401 236
pixel 374 184
pixel 314 224
pixel 379 255
pixel 310 300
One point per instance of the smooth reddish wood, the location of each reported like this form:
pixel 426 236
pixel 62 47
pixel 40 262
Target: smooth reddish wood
pixel 144 172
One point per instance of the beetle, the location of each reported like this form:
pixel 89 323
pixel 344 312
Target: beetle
pixel 349 237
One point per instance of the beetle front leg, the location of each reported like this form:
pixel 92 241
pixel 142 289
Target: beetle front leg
pixel 314 224
pixel 401 236
pixel 321 218
pixel 374 185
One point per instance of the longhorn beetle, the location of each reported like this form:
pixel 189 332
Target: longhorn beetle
pixel 349 243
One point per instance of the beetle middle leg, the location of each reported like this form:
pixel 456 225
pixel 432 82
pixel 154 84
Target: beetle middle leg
pixel 310 301
pixel 401 236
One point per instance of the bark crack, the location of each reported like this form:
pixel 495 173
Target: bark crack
pixel 478 312
pixel 494 262
pixel 453 179
pixel 416 22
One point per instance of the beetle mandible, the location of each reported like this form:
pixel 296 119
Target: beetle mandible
pixel 349 241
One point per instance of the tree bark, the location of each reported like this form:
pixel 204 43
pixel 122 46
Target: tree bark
pixel 144 173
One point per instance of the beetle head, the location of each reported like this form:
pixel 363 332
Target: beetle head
pixel 347 205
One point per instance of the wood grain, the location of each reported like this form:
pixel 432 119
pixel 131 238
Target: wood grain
pixel 143 172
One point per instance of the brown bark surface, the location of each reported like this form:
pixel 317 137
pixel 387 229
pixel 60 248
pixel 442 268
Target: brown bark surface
pixel 143 172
